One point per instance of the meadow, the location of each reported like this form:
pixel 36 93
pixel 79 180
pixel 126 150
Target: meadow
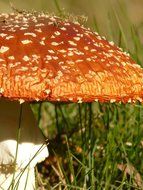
pixel 93 146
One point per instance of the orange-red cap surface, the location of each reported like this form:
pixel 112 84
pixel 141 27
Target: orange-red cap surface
pixel 43 57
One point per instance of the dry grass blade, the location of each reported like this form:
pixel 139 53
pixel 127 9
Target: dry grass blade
pixel 59 173
pixel 130 170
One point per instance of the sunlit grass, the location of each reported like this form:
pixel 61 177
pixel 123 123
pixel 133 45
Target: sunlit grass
pixel 93 152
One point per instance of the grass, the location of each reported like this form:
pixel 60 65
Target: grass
pixel 95 146
pixel 99 147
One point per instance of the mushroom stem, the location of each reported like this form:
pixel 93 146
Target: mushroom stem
pixel 19 153
pixel 23 179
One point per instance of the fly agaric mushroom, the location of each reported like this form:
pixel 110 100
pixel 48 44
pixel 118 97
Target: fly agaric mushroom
pixel 44 57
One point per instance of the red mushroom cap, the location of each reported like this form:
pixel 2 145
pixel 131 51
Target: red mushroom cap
pixel 44 57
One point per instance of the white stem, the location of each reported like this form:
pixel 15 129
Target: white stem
pixel 23 180
pixel 30 146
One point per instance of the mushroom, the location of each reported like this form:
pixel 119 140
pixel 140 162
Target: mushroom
pixel 46 58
